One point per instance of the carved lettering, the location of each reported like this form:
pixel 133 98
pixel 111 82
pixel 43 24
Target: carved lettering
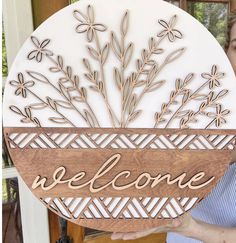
pixel 143 180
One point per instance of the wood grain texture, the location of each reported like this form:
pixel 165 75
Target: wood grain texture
pixel 183 4
pixel 8 130
pixel 43 9
pixel 104 177
pixel 73 230
pixel 232 5
pixel 44 163
pixel 53 226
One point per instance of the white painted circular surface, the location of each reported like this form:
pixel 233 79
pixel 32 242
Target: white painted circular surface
pixel 201 52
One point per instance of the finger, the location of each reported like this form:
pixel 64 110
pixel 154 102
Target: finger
pixel 117 236
pixel 136 235
pixel 179 224
pixel 162 229
pixel 176 223
pixel 129 236
pixel 145 233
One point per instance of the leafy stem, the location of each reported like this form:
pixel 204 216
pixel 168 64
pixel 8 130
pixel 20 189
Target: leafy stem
pixel 75 86
pixel 101 59
pixel 52 105
pixel 180 89
pixel 150 85
pixel 123 54
pixel 211 101
pixel 187 98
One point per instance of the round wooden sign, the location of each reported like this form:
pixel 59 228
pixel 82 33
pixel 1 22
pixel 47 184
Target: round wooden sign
pixel 119 115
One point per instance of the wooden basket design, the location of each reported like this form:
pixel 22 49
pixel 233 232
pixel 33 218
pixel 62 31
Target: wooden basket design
pixel 89 147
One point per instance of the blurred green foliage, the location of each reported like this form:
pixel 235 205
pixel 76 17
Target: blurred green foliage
pixel 213 16
pixel 4 56
pixel 8 194
pixel 4 191
pixel 73 1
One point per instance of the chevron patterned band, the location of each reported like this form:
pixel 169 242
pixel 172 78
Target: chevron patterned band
pixel 120 207
pixel 133 139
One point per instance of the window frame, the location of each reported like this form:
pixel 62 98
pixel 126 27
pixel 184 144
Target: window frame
pixel 34 215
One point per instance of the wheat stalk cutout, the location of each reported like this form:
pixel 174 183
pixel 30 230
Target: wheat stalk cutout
pixel 144 78
pixel 209 99
pixel 145 66
pixel 180 89
pixel 100 54
pixel 68 101
pixel 124 55
pixel 23 89
pixel 89 115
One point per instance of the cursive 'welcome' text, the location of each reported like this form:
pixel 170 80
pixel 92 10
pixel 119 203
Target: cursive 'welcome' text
pixel 143 180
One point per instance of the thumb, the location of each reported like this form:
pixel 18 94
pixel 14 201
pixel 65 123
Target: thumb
pixel 176 223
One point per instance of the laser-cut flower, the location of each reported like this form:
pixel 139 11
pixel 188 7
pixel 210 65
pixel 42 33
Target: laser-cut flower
pixel 169 30
pixel 40 50
pixel 87 23
pixel 21 85
pixel 213 77
pixel 218 117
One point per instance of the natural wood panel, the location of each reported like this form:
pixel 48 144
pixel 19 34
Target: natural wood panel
pixel 102 170
pixel 137 162
pixel 159 131
pixel 233 5
pixel 183 4
pixel 75 231
pixel 42 9
pixel 53 226
pixel 144 172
